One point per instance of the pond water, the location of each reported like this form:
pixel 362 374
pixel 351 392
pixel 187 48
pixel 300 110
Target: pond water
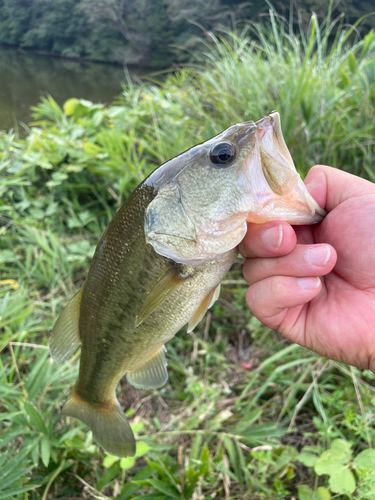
pixel 26 76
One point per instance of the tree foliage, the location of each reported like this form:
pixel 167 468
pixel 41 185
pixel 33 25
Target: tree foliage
pixel 152 33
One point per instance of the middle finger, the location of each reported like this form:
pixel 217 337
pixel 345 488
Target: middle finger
pixel 304 260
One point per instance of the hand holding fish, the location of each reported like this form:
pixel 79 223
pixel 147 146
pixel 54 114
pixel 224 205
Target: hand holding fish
pixel 333 315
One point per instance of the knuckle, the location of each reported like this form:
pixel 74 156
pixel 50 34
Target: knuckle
pixel 253 300
pixel 278 287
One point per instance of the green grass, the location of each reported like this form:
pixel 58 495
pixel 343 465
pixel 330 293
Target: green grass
pixel 216 430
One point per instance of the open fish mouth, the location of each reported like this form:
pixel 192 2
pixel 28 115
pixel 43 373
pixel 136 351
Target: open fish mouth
pixel 269 175
pixel 203 212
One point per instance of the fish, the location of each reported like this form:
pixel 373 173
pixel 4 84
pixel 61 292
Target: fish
pixel 160 261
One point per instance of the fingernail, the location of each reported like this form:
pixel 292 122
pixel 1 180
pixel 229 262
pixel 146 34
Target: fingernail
pixel 308 283
pixel 273 236
pixel 318 255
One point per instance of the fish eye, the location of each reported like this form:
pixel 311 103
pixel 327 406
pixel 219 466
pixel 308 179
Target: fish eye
pixel 222 154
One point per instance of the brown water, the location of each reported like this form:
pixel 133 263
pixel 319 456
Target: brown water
pixel 26 76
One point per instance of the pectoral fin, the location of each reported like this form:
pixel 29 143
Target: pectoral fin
pixel 64 339
pixel 215 295
pixel 163 289
pixel 206 303
pixel 152 374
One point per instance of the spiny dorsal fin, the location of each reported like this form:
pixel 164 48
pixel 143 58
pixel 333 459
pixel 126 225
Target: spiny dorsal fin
pixel 207 302
pixel 64 339
pixel 163 289
pixel 152 374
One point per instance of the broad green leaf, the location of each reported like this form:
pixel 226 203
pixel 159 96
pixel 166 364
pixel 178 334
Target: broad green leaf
pixel 342 482
pixel 110 460
pixel 59 176
pixel 341 449
pixel 331 460
pixel 69 106
pixel 87 104
pixel 127 462
pixel 98 118
pixel 365 461
pixel 136 427
pixel 141 448
pixel 307 459
pixel 305 493
pixel 322 494
pixel 327 466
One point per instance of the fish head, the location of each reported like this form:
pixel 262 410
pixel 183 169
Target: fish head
pixel 206 196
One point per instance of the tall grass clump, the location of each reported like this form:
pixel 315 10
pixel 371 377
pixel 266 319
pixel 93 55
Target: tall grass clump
pixel 245 415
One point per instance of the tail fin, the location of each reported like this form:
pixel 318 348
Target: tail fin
pixel 107 422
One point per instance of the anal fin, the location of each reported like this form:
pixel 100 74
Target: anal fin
pixel 64 339
pixel 152 374
pixel 206 303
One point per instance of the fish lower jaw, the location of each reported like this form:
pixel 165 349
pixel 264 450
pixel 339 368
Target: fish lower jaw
pixel 205 248
pixel 282 212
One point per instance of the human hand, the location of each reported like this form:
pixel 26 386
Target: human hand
pixel 333 315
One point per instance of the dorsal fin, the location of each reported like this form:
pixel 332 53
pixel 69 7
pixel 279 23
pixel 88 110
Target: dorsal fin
pixel 64 339
pixel 163 289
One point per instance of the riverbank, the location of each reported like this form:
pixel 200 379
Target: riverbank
pixel 25 76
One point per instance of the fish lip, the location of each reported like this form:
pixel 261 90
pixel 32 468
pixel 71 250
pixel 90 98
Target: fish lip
pixel 293 203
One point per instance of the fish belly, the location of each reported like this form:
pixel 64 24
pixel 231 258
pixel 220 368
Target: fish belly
pixel 116 346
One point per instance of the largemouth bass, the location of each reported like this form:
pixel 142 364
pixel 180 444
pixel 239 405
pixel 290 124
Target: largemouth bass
pixel 160 261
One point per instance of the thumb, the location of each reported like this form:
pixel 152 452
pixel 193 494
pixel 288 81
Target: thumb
pixel 330 186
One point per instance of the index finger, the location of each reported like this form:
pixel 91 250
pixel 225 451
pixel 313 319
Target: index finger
pixel 268 240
